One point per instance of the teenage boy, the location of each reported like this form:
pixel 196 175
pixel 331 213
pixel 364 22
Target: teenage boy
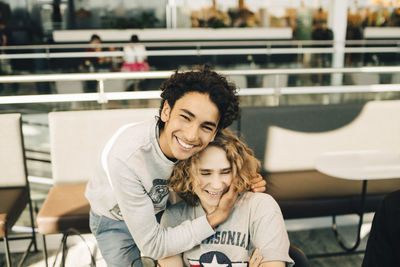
pixel 129 186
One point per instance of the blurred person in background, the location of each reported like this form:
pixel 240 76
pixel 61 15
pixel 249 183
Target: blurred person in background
pixel 135 59
pixel 94 64
pixel 383 247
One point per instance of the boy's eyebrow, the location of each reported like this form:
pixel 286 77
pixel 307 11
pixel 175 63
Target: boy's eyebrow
pixel 210 123
pixel 188 112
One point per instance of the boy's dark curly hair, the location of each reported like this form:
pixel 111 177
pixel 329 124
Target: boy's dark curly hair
pixel 202 80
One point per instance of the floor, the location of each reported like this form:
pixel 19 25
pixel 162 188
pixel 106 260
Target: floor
pixel 313 236
pixel 311 241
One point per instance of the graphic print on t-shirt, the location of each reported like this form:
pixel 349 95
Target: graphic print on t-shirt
pixel 158 192
pixel 215 259
pixel 116 212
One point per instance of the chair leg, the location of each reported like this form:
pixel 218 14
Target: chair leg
pixel 45 250
pixel 7 251
pixel 32 225
pixel 64 249
pixel 25 255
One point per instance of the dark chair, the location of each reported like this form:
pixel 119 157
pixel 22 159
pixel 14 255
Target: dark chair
pixel 14 187
pixel 298 256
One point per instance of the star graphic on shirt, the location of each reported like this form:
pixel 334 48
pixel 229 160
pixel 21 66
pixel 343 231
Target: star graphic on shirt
pixel 214 263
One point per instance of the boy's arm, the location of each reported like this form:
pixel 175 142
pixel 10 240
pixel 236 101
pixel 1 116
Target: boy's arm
pixel 138 212
pixel 173 261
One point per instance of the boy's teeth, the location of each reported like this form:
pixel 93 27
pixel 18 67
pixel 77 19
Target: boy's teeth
pixel 184 144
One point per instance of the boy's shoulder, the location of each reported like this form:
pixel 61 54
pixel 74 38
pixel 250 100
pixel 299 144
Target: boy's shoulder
pixel 134 135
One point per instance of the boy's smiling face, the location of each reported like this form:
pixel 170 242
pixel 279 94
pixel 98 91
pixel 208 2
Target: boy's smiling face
pixel 189 126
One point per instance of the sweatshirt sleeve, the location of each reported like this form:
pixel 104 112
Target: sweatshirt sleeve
pixel 137 209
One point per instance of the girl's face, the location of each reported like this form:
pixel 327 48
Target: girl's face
pixel 214 179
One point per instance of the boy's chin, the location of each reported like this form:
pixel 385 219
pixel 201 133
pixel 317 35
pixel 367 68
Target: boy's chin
pixel 184 156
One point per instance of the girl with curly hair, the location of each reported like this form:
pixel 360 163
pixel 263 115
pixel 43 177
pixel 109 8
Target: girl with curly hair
pixel 254 222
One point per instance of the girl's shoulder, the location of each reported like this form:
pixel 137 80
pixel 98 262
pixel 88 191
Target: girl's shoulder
pixel 259 203
pixel 252 197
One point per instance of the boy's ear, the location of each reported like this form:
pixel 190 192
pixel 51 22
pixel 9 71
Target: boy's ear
pixel 165 112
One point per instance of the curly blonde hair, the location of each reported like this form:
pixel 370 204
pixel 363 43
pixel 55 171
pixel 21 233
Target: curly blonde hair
pixel 243 163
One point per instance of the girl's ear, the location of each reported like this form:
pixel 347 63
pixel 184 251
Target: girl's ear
pixel 165 112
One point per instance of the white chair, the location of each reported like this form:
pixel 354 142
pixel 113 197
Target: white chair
pixel 76 138
pixel 14 187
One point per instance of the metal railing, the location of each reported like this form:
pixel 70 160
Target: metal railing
pixel 206 49
pixel 102 96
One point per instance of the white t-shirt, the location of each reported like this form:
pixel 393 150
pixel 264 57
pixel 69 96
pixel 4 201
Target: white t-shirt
pixel 255 222
pixel 134 53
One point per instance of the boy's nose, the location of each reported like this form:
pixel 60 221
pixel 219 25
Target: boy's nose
pixel 191 133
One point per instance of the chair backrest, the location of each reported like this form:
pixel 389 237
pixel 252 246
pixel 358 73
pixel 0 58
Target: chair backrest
pixel 298 256
pixel 376 128
pixel 12 158
pixel 76 138
pixel 289 138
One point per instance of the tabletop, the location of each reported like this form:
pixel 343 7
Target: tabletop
pixel 360 165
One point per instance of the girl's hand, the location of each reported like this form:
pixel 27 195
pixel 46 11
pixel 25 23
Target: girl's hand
pixel 254 260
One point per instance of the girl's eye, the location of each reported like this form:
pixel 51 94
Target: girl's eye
pixel 205 173
pixel 226 172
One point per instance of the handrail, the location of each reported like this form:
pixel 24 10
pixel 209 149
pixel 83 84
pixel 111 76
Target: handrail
pixel 204 52
pixel 103 96
pixel 101 76
pixel 203 44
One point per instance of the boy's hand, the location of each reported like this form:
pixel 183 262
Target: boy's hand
pixel 224 207
pixel 258 184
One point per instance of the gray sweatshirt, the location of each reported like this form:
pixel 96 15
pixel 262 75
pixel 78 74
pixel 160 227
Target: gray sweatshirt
pixel 129 184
